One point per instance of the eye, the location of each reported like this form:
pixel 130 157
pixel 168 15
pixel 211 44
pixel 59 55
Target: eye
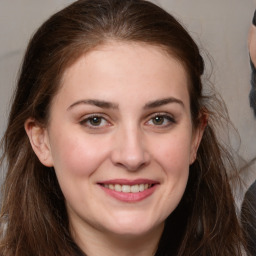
pixel 162 120
pixel 95 121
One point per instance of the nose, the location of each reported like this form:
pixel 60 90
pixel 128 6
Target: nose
pixel 129 150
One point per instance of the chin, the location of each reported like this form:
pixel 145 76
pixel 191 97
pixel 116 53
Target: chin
pixel 131 233
pixel 130 227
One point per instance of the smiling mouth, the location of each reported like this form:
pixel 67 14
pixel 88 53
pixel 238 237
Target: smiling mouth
pixel 129 191
pixel 136 188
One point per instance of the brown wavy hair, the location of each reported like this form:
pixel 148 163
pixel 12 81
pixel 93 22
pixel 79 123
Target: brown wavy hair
pixel 34 220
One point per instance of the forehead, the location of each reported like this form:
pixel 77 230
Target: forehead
pixel 126 50
pixel 118 68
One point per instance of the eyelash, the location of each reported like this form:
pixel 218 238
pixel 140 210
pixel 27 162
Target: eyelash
pixel 167 119
pixel 90 118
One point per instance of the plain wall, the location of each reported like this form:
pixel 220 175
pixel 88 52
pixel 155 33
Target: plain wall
pixel 220 27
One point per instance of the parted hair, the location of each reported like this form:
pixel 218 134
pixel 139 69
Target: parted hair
pixel 34 220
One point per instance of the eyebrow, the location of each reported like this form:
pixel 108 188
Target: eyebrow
pixel 97 103
pixel 110 105
pixel 162 102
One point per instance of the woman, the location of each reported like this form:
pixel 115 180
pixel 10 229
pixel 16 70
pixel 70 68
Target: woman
pixel 110 145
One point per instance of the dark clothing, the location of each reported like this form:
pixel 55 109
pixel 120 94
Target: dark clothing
pixel 249 218
pixel 254 19
pixel 252 95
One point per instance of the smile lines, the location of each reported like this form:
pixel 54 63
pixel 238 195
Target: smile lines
pixel 127 188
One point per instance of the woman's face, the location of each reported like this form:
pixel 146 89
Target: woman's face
pixel 120 138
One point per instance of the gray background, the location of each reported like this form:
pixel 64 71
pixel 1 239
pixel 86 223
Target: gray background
pixel 220 27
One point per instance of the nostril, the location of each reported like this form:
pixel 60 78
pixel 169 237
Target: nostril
pixel 131 163
pixel 129 150
pixel 131 167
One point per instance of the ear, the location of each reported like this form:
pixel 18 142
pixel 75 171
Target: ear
pixel 197 136
pixel 39 141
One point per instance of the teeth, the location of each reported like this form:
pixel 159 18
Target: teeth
pixel 135 188
pixel 142 187
pixel 118 188
pixel 127 188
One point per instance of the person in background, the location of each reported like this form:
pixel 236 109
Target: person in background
pixel 249 204
pixel 252 51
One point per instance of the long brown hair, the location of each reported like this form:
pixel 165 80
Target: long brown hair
pixel 33 217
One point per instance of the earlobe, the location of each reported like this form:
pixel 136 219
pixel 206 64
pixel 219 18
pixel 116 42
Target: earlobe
pixel 39 141
pixel 196 142
pixel 198 134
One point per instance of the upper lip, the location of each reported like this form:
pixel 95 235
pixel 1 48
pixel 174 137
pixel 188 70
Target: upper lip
pixel 129 182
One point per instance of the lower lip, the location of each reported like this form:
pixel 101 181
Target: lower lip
pixel 130 197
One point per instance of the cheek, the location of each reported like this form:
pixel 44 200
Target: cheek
pixel 77 155
pixel 173 154
pixel 173 157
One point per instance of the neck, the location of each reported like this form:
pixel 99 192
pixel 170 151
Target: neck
pixel 99 243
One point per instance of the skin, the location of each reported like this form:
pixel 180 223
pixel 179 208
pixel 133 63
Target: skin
pixel 252 43
pixel 130 139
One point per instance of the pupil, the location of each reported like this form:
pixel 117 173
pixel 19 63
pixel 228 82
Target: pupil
pixel 158 120
pixel 95 120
